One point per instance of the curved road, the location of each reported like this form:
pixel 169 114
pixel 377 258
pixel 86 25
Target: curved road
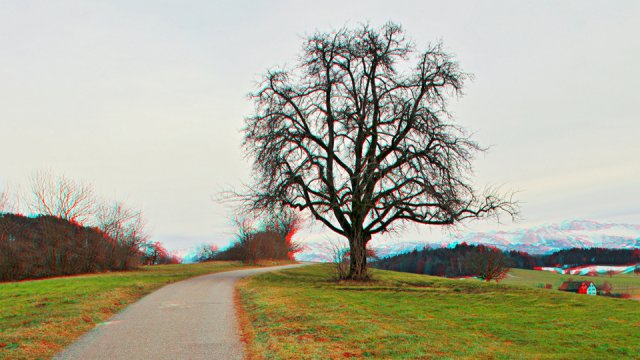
pixel 189 319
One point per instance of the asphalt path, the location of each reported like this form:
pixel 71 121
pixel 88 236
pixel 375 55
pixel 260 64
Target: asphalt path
pixel 189 319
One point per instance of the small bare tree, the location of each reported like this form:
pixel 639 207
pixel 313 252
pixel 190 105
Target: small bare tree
pixel 363 142
pixel 4 201
pixel 489 264
pixel 245 236
pixel 339 252
pixel 206 252
pixel 156 254
pixel 606 288
pixel 61 197
pixel 286 223
pixel 57 199
pixel 126 227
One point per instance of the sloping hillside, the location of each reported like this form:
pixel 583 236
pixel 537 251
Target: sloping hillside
pixel 304 313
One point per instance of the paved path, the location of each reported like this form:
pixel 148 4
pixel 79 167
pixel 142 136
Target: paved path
pixel 190 319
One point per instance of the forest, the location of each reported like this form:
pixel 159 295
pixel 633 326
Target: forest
pixel 45 246
pixel 70 231
pixel 473 260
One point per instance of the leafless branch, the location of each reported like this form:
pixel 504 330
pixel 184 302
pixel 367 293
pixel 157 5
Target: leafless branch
pixel 362 145
pixel 61 197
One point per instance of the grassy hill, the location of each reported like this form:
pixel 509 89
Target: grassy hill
pixel 39 317
pixel 629 283
pixel 304 313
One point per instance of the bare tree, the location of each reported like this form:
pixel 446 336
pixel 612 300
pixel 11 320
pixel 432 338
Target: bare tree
pixel 245 236
pixel 126 227
pixel 606 288
pixel 4 201
pixel 156 254
pixel 206 252
pixel 339 252
pixel 10 200
pixel 61 197
pixel 489 263
pixel 363 144
pixel 286 223
pixel 283 222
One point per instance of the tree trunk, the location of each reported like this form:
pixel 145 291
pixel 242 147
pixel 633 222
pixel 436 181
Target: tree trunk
pixel 358 257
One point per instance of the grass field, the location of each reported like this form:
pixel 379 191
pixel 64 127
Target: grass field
pixel 39 317
pixel 629 283
pixel 303 313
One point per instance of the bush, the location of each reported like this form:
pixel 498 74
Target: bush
pixel 273 242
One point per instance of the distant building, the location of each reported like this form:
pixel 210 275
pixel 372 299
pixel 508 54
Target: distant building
pixel 580 287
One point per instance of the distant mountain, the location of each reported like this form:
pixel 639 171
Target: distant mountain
pixel 316 251
pixel 536 240
pixel 569 234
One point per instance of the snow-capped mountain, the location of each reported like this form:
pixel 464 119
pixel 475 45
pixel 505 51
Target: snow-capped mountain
pixel 535 240
pixel 568 234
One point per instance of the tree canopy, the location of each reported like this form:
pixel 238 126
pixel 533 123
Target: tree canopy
pixel 362 140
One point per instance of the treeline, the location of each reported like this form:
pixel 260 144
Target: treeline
pixel 575 257
pixel 463 260
pixel 591 256
pixel 44 246
pixel 71 233
pixel 271 239
pixel 473 260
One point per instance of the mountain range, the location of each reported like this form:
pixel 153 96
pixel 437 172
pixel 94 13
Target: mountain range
pixel 543 239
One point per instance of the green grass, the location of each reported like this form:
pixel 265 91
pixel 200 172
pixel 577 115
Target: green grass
pixel 621 283
pixel 303 313
pixel 39 317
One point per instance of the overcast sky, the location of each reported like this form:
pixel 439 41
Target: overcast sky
pixel 145 99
